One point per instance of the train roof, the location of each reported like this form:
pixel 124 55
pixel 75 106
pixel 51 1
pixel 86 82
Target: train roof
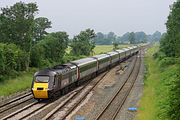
pixel 101 56
pixel 45 72
pixel 58 69
pixel 113 53
pixel 70 65
pixel 83 61
pixel 126 49
pixel 120 51
pixel 130 47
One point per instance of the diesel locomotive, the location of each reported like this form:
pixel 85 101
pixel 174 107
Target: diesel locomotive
pixel 59 79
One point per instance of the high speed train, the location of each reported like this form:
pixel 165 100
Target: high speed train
pixel 61 78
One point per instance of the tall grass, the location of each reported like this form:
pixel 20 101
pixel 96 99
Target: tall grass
pixel 20 83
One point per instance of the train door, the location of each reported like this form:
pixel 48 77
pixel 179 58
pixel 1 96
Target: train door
pixel 56 83
pixel 78 72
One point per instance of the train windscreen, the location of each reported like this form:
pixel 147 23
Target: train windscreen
pixel 42 79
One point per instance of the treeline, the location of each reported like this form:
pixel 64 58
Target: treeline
pixel 169 59
pixel 25 43
pixel 129 37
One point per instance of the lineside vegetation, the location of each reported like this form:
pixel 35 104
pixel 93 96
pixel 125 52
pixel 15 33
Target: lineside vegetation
pixel 161 98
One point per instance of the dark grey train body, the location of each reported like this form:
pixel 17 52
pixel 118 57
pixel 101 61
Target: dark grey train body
pixel 60 78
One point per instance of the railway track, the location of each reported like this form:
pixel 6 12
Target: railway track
pixel 35 107
pixel 63 105
pixel 14 100
pixel 62 111
pixel 15 104
pixel 32 109
pixel 75 96
pixel 112 108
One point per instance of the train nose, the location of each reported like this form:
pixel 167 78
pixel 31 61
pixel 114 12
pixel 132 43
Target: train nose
pixel 40 90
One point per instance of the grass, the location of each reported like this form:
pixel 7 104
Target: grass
pixel 105 48
pixel 152 82
pixel 17 84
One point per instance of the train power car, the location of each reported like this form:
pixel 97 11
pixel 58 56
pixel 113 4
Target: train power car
pixel 59 79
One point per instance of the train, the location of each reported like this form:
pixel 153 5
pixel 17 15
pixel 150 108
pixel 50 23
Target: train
pixel 61 78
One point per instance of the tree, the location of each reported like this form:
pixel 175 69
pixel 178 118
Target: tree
pixel 132 38
pixel 115 45
pixel 170 46
pixel 17 24
pixel 105 39
pixel 171 43
pixel 11 59
pixel 83 43
pixel 111 37
pixel 50 50
pixel 41 24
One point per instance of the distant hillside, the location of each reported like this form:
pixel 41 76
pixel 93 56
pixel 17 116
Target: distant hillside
pixel 139 37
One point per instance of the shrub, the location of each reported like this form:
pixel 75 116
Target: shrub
pixel 165 62
pixel 159 55
pixel 12 59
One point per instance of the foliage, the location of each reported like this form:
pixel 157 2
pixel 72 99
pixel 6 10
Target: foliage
pixel 103 39
pixel 17 23
pixel 83 44
pixel 132 38
pixel 140 37
pixel 50 50
pixel 12 59
pixel 167 61
pixel 170 46
pixel 170 43
pixel 115 45
pixel 69 57
pixel 19 26
pixel 41 24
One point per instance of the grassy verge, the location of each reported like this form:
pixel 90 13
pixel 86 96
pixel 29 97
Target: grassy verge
pixel 20 83
pixel 159 80
pixel 152 81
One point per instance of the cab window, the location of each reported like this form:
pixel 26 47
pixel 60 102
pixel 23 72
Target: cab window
pixel 42 79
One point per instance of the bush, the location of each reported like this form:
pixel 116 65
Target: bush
pixel 167 61
pixel 69 57
pixel 12 59
pixel 50 51
pixel 159 55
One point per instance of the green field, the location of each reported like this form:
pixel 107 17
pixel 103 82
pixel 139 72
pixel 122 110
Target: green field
pixel 101 48
pixel 105 48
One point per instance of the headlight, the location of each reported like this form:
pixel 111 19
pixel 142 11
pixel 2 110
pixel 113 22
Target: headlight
pixel 33 89
pixel 46 88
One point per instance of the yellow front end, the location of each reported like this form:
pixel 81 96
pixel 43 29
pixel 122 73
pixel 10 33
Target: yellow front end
pixel 40 90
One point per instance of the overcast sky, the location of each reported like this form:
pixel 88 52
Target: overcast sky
pixel 119 16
